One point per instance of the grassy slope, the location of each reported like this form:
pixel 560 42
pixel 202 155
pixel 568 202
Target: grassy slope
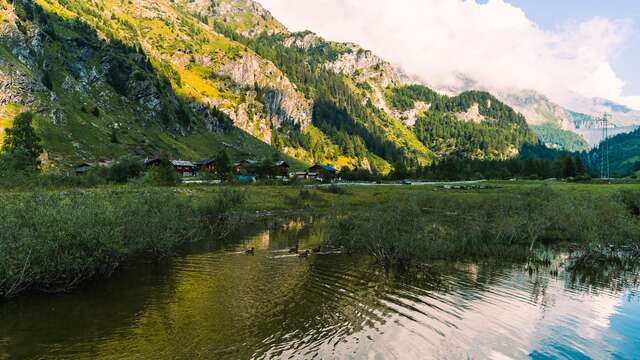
pixel 82 136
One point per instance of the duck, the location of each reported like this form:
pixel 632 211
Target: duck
pixel 251 251
pixel 317 249
pixel 304 254
pixel 294 250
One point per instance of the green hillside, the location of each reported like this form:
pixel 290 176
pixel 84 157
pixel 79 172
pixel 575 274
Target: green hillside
pixel 472 125
pixel 624 154
pixel 113 77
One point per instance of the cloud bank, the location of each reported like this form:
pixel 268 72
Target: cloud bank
pixel 493 43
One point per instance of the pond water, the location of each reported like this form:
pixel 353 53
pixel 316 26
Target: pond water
pixel 216 303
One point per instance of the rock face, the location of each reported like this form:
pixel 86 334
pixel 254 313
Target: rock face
pixel 410 117
pixel 303 40
pixel 538 109
pixel 245 16
pixel 18 89
pixel 365 66
pixel 284 104
pixel 472 115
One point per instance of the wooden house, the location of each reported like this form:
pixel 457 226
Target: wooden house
pixel 324 172
pixel 246 167
pixel 184 168
pixel 149 162
pixel 281 169
pixel 208 166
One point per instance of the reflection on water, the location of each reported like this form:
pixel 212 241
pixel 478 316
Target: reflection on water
pixel 218 303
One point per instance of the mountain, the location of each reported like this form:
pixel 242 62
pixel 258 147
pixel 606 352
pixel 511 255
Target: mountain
pixel 621 115
pixel 106 83
pixel 572 126
pixel 193 77
pixel 473 124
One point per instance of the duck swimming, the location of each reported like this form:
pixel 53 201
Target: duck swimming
pixel 251 251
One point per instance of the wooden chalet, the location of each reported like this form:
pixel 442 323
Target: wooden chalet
pixel 246 167
pixel 208 165
pixel 149 162
pixel 322 172
pixel 281 169
pixel 184 168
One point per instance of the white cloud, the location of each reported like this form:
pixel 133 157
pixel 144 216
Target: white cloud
pixel 494 43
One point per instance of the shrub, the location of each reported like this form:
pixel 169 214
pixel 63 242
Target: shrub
pixel 54 241
pixel 125 169
pixel 164 174
pixel 336 189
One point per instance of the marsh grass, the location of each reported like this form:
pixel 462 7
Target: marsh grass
pixel 54 241
pixel 507 225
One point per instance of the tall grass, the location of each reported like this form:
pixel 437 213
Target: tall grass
pixel 54 241
pixel 438 225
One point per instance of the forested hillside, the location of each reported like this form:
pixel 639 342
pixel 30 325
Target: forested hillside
pixel 624 154
pixel 472 125
pixel 190 78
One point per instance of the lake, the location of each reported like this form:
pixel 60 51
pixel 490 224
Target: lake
pixel 214 302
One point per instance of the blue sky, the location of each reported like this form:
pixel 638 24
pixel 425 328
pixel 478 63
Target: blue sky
pixel 553 14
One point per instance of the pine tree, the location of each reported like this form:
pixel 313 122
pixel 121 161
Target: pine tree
pixel 223 163
pixel 580 170
pixel 569 168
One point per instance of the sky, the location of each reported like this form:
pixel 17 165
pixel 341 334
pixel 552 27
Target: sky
pixel 561 48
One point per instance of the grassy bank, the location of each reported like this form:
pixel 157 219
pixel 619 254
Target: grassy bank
pixel 54 241
pixel 507 223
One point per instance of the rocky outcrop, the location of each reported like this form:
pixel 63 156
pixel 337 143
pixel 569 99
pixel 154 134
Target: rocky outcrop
pixel 409 117
pixel 284 104
pixel 364 66
pixel 303 40
pixel 245 16
pixel 472 114
pixel 16 87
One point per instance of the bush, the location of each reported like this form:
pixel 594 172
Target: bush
pixel 55 241
pixel 336 189
pixel 164 174
pixel 125 169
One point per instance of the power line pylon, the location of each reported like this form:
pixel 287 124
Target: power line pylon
pixel 605 165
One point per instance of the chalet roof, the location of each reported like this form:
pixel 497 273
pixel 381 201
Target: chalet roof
pixel 247 162
pixel 182 163
pixel 324 167
pixel 205 162
pixel 281 163
pixel 151 160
